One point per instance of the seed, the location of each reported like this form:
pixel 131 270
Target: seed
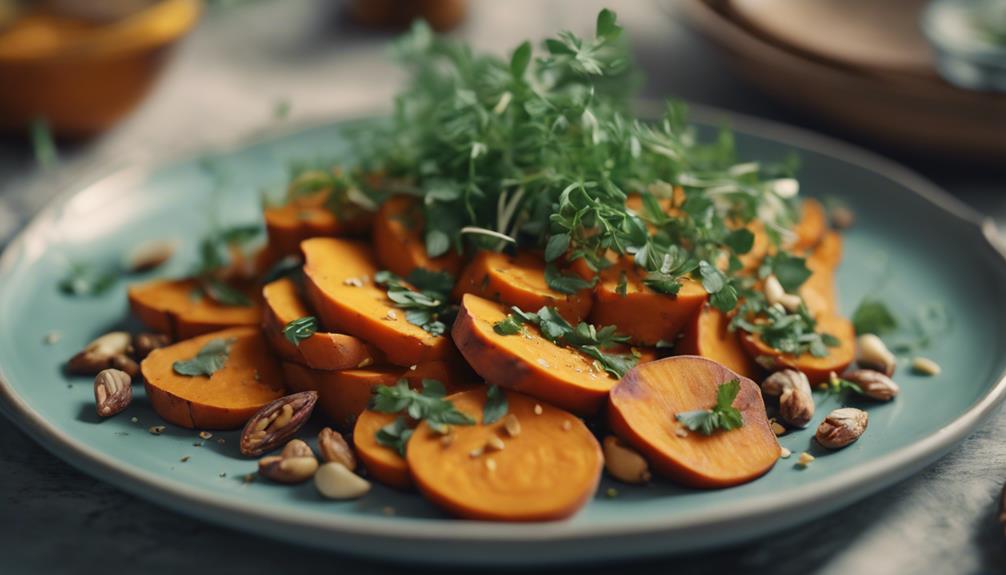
pixel 785 453
pixel 413 367
pixel 805 459
pixel 447 440
pixel 284 417
pixel 873 354
pixel 778 429
pixel 567 425
pixel 796 402
pixel 680 431
pixel 512 425
pixel 477 452
pixel 276 422
pixel 287 469
pixel 537 409
pixel 205 435
pixel 134 419
pixel 623 462
pixel 334 481
pixel 184 459
pixel 494 443
pixel 296 448
pixel 925 366
pixel 157 429
pixel 490 464
pixel 776 294
pixel 261 425
pixel 842 427
pixel 353 282
pixel 542 362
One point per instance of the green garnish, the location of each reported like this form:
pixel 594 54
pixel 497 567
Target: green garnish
pixel 873 316
pixel 215 255
pixel 496 405
pixel 300 329
pixel 585 338
pixel 838 386
pixel 210 359
pixel 723 415
pixel 42 144
pixel 428 405
pixel 88 280
pixel 425 297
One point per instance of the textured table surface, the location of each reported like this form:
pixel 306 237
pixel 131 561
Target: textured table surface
pixel 224 82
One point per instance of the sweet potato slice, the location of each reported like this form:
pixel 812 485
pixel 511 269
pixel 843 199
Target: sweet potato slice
pixel 547 472
pixel 344 395
pixel 708 335
pixel 177 308
pixel 519 281
pixel 527 362
pixel 818 291
pixel 250 378
pixel 812 225
pixel 817 369
pixel 398 239
pixel 383 464
pixel 322 350
pixel 642 412
pixel 306 217
pixel 340 286
pixel 646 316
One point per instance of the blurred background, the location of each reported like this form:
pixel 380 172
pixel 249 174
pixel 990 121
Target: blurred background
pixel 91 85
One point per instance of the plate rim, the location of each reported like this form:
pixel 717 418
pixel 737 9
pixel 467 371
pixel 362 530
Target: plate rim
pixel 860 481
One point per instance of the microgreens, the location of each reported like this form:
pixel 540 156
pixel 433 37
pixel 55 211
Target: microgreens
pixel 585 338
pixel 723 415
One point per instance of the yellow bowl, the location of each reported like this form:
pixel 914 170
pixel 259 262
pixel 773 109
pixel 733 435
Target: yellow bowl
pixel 83 77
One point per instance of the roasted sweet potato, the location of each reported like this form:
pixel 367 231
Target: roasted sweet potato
pixel 519 281
pixel 548 471
pixel 761 247
pixel 178 308
pixel 323 350
pixel 818 291
pixel 398 239
pixel 306 216
pixel 812 225
pixel 708 335
pixel 527 362
pixel 383 464
pixel 250 378
pixel 643 409
pixel 647 317
pixel 817 369
pixel 343 395
pixel 340 286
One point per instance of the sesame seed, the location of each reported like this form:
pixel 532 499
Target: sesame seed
pixel 785 453
pixel 567 425
pixel 537 409
pixel 490 464
pixel 805 459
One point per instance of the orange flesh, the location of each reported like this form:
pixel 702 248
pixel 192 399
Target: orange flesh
pixel 519 281
pixel 548 472
pixel 383 464
pixel 333 268
pixel 176 308
pixel 307 217
pixel 642 412
pixel 817 369
pixel 647 317
pixel 812 225
pixel 249 379
pixel 527 362
pixel 708 335
pixel 398 239
pixel 344 395
pixel 323 350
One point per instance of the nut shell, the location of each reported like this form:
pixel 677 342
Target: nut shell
pixel 113 392
pixel 277 422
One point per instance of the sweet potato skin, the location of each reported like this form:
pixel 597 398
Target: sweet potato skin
pixel 383 464
pixel 322 350
pixel 398 239
pixel 708 335
pixel 548 472
pixel 817 369
pixel 250 378
pixel 647 317
pixel 519 281
pixel 339 285
pixel 527 362
pixel 642 410
pixel 175 308
pixel 343 395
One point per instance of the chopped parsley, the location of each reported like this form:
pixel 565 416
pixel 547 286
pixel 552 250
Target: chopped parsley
pixel 424 296
pixel 496 405
pixel 873 316
pixel 209 360
pixel 723 415
pixel 428 405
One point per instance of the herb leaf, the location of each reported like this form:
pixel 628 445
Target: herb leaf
pixel 87 280
pixel 395 435
pixel 223 293
pixel 723 415
pixel 209 360
pixel 300 329
pixel 429 307
pixel 428 405
pixel 873 316
pixel 496 405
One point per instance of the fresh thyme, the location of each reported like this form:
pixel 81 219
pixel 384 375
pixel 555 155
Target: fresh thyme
pixel 723 415
pixel 584 338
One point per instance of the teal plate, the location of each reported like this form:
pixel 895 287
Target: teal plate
pixel 912 244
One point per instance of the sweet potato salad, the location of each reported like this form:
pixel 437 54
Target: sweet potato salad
pixel 512 285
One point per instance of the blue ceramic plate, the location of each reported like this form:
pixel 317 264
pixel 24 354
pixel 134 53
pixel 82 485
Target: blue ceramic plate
pixel 912 244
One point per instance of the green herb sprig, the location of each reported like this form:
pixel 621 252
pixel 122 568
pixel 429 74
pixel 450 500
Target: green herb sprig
pixel 585 338
pixel 723 415
pixel 209 360
pixel 300 329
pixel 428 405
pixel 424 296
